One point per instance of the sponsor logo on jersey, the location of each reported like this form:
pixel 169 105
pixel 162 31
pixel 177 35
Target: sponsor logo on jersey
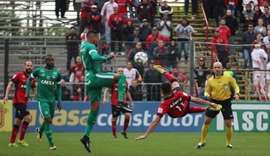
pixel 47 82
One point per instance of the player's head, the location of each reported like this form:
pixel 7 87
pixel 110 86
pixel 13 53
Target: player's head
pixel 129 65
pixel 92 37
pixel 28 67
pixel 166 88
pixel 217 69
pixel 120 71
pixel 49 61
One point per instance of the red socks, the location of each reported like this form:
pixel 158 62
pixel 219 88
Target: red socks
pixel 14 133
pixel 23 129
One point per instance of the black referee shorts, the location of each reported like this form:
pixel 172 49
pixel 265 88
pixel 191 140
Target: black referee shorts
pixel 226 110
pixel 21 110
pixel 116 111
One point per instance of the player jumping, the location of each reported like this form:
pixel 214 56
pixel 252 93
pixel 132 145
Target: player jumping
pixel 176 102
pixel 95 80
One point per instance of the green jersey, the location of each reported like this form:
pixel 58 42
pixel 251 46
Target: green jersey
pixel 91 59
pixel 46 83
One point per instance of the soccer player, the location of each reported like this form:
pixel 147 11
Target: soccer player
pixel 95 80
pixel 176 102
pixel 115 111
pixel 48 77
pixel 218 89
pixel 20 103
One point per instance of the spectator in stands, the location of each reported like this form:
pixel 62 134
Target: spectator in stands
pixel 208 7
pixel 146 11
pixel 268 78
pixel 116 23
pixel 247 17
pixel 257 15
pixel 180 77
pixel 131 74
pixel 133 39
pixel 134 51
pixel 224 30
pixel 72 45
pixel 66 93
pixel 123 5
pixel 85 10
pixel 77 8
pixel 266 16
pixel 95 19
pixel 60 6
pixel 219 10
pixel 253 3
pixel 262 4
pixel 248 38
pixel 201 71
pixel 172 56
pixel 106 12
pixel 185 32
pixel 152 76
pixel 266 41
pixel 136 91
pixel 194 9
pixel 166 9
pixel 77 77
pixel 219 49
pixel 258 40
pixel 160 54
pixel 259 61
pixel 145 30
pixel 128 30
pixel 232 23
pixel 165 28
pixel 152 42
pixel 232 5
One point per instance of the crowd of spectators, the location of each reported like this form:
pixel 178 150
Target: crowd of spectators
pixel 115 20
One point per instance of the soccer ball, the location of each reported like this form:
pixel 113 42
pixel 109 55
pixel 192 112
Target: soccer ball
pixel 141 58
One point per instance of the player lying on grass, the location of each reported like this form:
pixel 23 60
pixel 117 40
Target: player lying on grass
pixel 176 102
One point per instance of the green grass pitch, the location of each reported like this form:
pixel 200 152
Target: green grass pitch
pixel 157 144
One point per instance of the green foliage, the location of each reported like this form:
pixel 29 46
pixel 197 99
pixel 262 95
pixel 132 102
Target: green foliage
pixel 157 144
pixel 9 22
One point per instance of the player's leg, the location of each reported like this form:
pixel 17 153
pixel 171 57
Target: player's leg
pixel 40 131
pixel 24 126
pixel 195 109
pixel 16 126
pixel 95 97
pixel 107 79
pixel 115 114
pixel 126 123
pixel 209 114
pixel 169 77
pixel 46 113
pixel 228 116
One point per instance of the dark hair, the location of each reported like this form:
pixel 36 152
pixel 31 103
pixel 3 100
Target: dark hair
pixel 91 32
pixel 166 87
pixel 48 56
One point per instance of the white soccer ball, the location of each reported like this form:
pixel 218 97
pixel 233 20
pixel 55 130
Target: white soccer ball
pixel 141 58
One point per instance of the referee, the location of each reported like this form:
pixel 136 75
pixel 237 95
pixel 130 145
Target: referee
pixel 218 91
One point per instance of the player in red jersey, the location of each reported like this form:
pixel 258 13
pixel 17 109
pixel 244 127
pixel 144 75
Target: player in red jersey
pixel 176 102
pixel 20 103
pixel 115 111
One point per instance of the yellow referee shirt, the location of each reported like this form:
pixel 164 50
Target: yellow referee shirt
pixel 219 87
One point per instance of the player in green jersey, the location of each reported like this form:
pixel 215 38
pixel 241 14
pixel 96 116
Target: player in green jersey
pixel 95 80
pixel 48 77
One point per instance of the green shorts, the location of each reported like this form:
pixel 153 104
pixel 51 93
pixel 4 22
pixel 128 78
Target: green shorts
pixel 95 83
pixel 46 109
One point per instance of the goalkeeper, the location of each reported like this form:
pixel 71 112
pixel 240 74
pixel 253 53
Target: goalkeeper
pixel 95 80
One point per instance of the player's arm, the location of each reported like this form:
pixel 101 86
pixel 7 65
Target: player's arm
pixel 235 87
pixel 8 89
pixel 130 99
pixel 151 128
pixel 29 81
pixel 96 57
pixel 105 94
pixel 207 91
pixel 59 92
pixel 203 102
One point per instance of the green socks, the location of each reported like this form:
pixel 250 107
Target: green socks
pixel 48 132
pixel 91 122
